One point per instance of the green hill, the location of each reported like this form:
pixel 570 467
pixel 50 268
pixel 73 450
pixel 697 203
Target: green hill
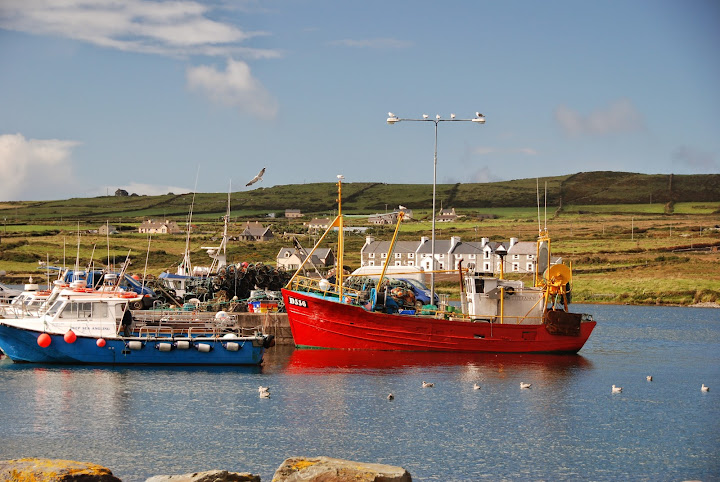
pixel 585 188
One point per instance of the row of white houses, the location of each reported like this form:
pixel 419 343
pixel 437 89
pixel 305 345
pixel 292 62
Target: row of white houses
pixel 485 256
pixel 519 256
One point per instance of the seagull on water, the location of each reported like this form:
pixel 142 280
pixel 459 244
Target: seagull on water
pixel 427 384
pixel 256 178
pixel 616 389
pixel 391 396
pixel 649 378
pixel 263 389
pixel 704 388
pixel 476 387
pixel 525 385
pixel 264 394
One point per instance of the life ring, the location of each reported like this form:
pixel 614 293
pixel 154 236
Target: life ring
pixel 128 295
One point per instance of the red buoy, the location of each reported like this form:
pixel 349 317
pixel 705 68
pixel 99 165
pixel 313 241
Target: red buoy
pixel 44 340
pixel 101 342
pixel 70 336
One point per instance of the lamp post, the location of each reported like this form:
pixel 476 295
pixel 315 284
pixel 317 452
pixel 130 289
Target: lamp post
pixel 392 119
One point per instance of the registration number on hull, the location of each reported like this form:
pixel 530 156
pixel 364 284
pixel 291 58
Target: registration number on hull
pixel 297 302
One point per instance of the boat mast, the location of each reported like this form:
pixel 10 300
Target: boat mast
pixel 341 239
pixel 185 267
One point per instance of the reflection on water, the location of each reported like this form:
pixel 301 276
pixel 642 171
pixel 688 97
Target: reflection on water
pixel 304 361
pixel 144 421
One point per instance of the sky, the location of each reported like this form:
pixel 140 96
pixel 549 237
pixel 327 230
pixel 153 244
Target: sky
pixel 180 96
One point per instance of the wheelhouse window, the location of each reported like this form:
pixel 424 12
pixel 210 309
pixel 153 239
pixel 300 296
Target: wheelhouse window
pixel 84 309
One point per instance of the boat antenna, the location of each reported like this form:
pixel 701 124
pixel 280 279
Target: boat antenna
pixel 147 256
pixel 107 237
pixel 546 207
pixel 77 257
pixel 537 192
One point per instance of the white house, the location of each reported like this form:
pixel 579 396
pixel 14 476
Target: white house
pixel 159 227
pixel 291 258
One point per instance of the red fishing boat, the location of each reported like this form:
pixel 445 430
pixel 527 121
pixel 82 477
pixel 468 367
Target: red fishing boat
pixel 496 315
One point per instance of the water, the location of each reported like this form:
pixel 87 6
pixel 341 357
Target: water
pixel 141 422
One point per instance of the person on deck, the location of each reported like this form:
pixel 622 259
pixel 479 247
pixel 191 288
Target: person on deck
pixel 127 320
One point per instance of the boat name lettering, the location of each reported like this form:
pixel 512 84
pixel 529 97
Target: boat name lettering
pixel 297 302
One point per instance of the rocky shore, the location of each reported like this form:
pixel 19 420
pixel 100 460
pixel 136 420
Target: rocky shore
pixel 293 469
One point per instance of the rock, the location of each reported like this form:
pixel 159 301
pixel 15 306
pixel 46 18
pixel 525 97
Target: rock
pixel 209 476
pixel 326 469
pixel 54 470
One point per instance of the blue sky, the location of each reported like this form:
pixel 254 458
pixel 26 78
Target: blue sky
pixel 97 95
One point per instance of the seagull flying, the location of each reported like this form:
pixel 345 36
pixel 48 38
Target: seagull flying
pixel 257 178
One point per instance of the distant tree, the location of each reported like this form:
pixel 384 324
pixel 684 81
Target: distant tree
pixel 133 194
pixel 121 192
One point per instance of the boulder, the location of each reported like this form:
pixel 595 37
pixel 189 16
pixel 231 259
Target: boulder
pixel 326 469
pixel 54 470
pixel 209 476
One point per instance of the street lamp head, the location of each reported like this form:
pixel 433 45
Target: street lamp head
pixel 392 118
pixel 479 118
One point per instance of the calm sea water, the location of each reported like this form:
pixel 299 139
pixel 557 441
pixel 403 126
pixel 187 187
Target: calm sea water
pixel 141 422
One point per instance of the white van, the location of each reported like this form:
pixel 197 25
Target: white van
pixel 405 272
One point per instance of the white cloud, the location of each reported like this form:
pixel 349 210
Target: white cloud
pixel 375 43
pixel 177 28
pixel 234 87
pixel 696 160
pixel 620 116
pixel 35 168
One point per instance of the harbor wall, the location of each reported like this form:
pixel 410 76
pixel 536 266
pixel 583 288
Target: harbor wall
pixel 272 324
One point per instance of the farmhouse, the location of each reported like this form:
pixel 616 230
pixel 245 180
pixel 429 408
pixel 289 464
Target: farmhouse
pixel 151 226
pixel 291 258
pixel 254 231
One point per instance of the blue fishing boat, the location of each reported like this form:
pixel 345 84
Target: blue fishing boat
pixel 80 325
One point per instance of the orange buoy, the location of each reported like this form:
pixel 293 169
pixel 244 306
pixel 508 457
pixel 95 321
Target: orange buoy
pixel 44 340
pixel 101 342
pixel 70 337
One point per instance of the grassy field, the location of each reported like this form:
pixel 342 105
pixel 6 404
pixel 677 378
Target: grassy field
pixel 659 246
pixel 617 258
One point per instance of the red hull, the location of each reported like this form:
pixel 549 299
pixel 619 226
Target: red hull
pixel 322 323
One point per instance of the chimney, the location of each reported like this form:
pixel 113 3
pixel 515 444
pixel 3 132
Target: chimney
pixel 369 239
pixel 513 242
pixel 484 241
pixel 454 241
pixel 424 239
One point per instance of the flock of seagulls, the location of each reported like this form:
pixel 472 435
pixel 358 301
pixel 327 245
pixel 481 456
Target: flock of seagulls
pixel 265 391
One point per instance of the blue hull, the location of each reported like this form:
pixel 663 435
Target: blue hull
pixel 20 345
